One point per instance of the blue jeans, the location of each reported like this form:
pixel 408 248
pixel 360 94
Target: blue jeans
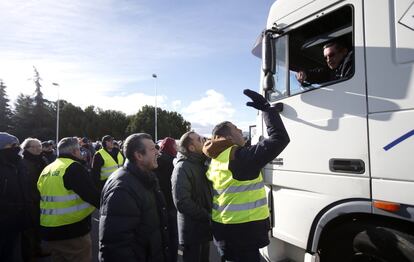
pixel 235 253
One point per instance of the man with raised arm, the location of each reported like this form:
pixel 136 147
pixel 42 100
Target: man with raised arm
pixel 240 214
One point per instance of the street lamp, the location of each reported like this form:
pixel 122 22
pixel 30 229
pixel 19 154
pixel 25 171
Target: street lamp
pixel 57 117
pixel 155 87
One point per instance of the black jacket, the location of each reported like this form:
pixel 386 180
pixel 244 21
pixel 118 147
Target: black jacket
pixel 192 194
pixel 164 172
pixel 246 165
pixel 49 156
pixel 76 178
pixel 325 74
pixel 34 165
pixel 15 201
pixel 133 221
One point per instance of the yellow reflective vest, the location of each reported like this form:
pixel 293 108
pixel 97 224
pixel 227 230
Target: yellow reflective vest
pixel 109 165
pixel 59 206
pixel 235 201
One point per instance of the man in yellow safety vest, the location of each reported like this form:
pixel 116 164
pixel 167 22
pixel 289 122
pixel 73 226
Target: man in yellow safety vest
pixel 106 161
pixel 240 212
pixel 68 197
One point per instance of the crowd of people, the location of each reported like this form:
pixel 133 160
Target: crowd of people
pixel 151 198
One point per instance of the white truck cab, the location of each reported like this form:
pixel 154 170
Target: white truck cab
pixel 343 189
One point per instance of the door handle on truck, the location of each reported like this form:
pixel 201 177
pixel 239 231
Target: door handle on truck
pixel 343 165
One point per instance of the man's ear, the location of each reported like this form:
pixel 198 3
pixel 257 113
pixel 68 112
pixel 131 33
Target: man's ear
pixel 137 156
pixel 229 138
pixel 191 148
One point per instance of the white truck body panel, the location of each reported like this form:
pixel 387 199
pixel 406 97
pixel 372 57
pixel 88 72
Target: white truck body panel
pixel 352 119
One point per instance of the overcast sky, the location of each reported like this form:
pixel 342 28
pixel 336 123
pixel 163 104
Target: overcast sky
pixel 103 53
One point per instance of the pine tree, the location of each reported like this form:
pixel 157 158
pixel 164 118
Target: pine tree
pixel 5 112
pixel 23 119
pixel 43 126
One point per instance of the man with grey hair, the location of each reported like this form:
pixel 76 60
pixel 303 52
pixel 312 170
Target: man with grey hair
pixel 68 197
pixel 192 195
pixel 133 222
pixel 34 163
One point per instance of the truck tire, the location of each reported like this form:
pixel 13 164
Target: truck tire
pixel 336 244
pixel 383 244
pixel 359 242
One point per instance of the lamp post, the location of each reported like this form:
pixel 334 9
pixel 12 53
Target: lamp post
pixel 155 113
pixel 57 117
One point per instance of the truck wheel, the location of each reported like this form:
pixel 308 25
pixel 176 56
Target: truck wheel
pixel 383 244
pixel 358 242
pixel 336 244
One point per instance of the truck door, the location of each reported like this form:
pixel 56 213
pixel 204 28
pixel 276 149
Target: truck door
pixel 390 71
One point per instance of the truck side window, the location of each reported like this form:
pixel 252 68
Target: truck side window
pixel 320 53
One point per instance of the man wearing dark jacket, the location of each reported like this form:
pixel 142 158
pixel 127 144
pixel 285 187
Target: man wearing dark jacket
pixel 68 196
pixel 105 161
pixel 192 196
pixel 133 225
pixel 34 163
pixel 86 152
pixel 14 199
pixel 240 213
pixel 167 154
pixel 339 61
pixel 48 154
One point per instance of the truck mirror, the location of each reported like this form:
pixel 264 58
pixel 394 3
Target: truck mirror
pixel 268 82
pixel 268 61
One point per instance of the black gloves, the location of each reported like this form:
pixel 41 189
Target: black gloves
pixel 259 102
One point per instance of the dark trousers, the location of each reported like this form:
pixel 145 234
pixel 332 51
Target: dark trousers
pixel 10 247
pixel 196 252
pixel 173 234
pixel 234 253
pixel 77 249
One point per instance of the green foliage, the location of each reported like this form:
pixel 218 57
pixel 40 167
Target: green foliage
pixel 5 112
pixel 23 118
pixel 42 111
pixel 71 120
pixel 169 124
pixel 114 123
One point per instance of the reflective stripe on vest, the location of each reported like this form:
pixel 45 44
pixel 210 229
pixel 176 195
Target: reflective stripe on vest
pixel 109 165
pixel 59 198
pixel 235 189
pixel 61 211
pixel 240 207
pixel 235 201
pixel 59 206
